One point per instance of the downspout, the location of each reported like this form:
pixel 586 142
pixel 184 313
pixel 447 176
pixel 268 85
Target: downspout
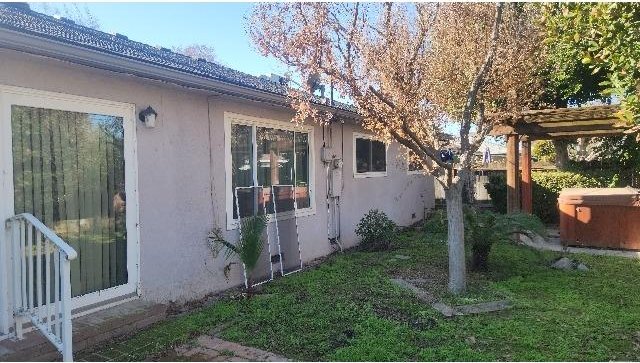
pixel 339 208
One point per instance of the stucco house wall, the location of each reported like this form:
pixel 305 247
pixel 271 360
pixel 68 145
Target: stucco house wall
pixel 403 196
pixel 181 174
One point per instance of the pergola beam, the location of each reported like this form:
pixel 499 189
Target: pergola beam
pixel 570 114
pixel 547 131
pixel 574 122
pixel 575 135
pixel 564 123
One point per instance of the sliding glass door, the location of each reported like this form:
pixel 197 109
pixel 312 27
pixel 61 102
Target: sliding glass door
pixel 71 165
pixel 68 171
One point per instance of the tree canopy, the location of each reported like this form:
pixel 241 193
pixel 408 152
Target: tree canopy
pixel 606 38
pixel 410 69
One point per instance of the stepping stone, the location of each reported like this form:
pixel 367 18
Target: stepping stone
pixel 482 307
pixel 444 309
pixel 447 310
pixel 420 293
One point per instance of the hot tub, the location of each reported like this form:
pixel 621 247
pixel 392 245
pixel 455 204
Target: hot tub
pixel 600 217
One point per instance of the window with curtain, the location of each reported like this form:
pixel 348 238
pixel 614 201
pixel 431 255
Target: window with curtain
pixel 281 157
pixel 371 156
pixel 68 170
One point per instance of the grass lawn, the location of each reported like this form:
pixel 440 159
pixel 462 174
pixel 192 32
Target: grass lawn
pixel 347 309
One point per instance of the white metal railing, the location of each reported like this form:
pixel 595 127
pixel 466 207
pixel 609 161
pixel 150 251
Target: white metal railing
pixel 41 281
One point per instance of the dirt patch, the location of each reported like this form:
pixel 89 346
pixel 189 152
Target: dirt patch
pixel 211 349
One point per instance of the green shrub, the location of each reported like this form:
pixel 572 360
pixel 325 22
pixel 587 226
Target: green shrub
pixel 375 230
pixel 548 185
pixel 497 190
pixel 546 189
pixel 543 150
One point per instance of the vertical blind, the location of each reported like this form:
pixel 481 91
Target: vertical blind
pixel 68 171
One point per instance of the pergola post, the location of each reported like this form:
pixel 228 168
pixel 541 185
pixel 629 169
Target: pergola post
pixel 526 187
pixel 513 174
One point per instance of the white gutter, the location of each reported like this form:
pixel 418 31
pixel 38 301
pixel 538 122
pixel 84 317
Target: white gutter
pixel 37 45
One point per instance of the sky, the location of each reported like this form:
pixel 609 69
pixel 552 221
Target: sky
pixel 220 25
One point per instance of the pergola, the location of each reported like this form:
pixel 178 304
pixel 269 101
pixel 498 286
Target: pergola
pixel 549 124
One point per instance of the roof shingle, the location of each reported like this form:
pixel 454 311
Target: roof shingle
pixel 20 18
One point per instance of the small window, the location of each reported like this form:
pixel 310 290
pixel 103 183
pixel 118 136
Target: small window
pixel 370 157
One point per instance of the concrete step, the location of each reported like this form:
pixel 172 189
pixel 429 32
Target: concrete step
pixel 88 330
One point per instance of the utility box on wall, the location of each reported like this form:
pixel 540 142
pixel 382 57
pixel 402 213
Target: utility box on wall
pixel 335 182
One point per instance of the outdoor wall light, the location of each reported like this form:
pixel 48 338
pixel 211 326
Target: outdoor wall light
pixel 148 116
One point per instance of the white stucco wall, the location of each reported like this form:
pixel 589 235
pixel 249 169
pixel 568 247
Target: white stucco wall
pixel 181 174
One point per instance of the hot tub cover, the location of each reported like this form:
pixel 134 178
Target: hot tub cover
pixel 600 196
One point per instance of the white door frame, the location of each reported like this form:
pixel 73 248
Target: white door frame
pixel 9 96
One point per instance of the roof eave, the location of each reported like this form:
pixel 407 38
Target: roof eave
pixel 52 48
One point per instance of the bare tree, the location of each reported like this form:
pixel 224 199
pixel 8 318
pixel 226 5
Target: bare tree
pixel 202 51
pixel 80 14
pixel 409 69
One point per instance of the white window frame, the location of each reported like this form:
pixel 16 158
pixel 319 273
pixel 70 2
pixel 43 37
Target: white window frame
pixel 369 174
pixel 10 95
pixel 231 118
pixel 413 172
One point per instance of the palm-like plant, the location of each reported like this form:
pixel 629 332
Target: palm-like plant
pixel 484 228
pixel 249 246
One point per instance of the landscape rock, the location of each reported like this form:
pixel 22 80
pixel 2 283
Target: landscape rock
pixel 471 340
pixel 563 264
pixel 532 239
pixel 582 267
pixel 402 257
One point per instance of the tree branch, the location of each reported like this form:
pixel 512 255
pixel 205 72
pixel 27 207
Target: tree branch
pixel 405 128
pixel 479 79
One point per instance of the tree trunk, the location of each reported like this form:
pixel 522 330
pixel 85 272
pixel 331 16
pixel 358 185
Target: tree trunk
pixel 455 239
pixel 562 154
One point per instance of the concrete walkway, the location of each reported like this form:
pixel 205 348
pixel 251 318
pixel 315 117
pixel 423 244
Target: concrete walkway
pixel 211 349
pixel 90 330
pixel 552 243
